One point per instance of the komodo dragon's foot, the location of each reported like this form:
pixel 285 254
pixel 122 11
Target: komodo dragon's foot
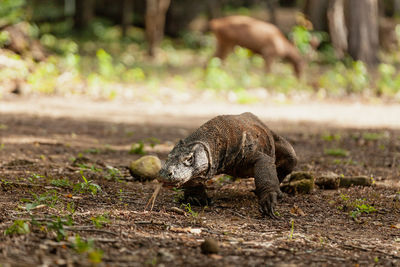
pixel 267 201
pixel 196 196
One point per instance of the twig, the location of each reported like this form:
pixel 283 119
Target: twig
pixel 238 214
pixel 84 228
pixel 153 197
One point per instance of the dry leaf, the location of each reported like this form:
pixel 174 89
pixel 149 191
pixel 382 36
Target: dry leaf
pixel 296 210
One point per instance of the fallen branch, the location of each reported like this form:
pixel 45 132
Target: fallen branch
pixel 153 197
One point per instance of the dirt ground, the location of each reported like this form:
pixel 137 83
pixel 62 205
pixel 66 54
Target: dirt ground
pixel 49 216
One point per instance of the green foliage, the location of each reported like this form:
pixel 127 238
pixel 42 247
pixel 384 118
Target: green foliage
pixel 4 38
pixel 61 183
pixel 44 78
pixel 11 11
pixel 178 195
pixel 188 208
pixel 113 173
pixel 87 247
pixel 216 77
pixel 291 230
pixel 106 67
pixel 336 152
pixel 57 225
pixel 92 168
pixel 49 198
pixel 388 82
pixel 100 220
pixel 153 141
pixel 360 208
pixel 19 227
pixel 137 148
pixel 369 136
pixel 331 137
pixel 357 207
pixel 87 186
pixel 341 79
pixel 301 37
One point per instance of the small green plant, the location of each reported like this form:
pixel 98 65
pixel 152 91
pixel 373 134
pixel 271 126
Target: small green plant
pixel 344 197
pixel 34 177
pixel 331 137
pixel 113 173
pixel 178 195
pixel 19 227
pixel 187 207
pixel 81 246
pixel 64 183
pixel 87 186
pixel 1 146
pixel 336 152
pixel 100 220
pixel 92 151
pixel 361 208
pixel 372 136
pixel 137 148
pixel 291 230
pixel 57 225
pixel 71 208
pixel 356 207
pixel 87 167
pixel 49 198
pixel 153 141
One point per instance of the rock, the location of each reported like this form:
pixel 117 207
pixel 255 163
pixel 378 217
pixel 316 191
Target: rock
pixel 329 180
pixel 146 167
pixel 355 180
pixel 299 182
pixel 209 246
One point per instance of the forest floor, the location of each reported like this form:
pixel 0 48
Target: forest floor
pixel 50 215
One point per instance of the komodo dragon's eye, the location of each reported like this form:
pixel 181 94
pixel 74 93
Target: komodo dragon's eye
pixel 188 160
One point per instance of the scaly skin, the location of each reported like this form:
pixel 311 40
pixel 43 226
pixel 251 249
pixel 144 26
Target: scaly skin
pixel 238 145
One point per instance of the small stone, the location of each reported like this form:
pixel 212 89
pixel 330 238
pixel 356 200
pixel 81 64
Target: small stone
pixel 209 246
pixel 329 180
pixel 146 168
pixel 355 180
pixel 299 182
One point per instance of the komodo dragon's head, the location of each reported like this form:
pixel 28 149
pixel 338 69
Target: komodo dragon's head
pixel 184 162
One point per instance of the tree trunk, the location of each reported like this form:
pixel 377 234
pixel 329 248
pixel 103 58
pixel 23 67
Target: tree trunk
pixel 84 13
pixel 362 24
pixel 315 11
pixel 127 15
pixel 272 11
pixel 214 9
pixel 396 8
pixel 156 11
pixel 337 27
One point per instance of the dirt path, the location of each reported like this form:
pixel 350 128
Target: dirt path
pixel 47 146
pixel 348 114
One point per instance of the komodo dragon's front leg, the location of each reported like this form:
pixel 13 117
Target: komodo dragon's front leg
pixel 267 184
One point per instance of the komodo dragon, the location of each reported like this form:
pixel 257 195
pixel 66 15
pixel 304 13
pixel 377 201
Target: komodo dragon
pixel 237 145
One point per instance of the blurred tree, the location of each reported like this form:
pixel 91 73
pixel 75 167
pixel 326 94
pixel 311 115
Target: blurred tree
pixel 272 10
pixel 337 27
pixel 127 15
pixel 84 13
pixel 156 11
pixel 362 24
pixel 315 11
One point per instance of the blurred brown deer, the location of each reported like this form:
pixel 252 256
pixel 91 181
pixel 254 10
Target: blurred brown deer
pixel 260 37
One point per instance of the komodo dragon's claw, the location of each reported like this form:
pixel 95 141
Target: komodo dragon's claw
pixel 267 204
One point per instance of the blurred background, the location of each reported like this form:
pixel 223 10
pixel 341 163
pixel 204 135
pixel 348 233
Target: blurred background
pixel 159 51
